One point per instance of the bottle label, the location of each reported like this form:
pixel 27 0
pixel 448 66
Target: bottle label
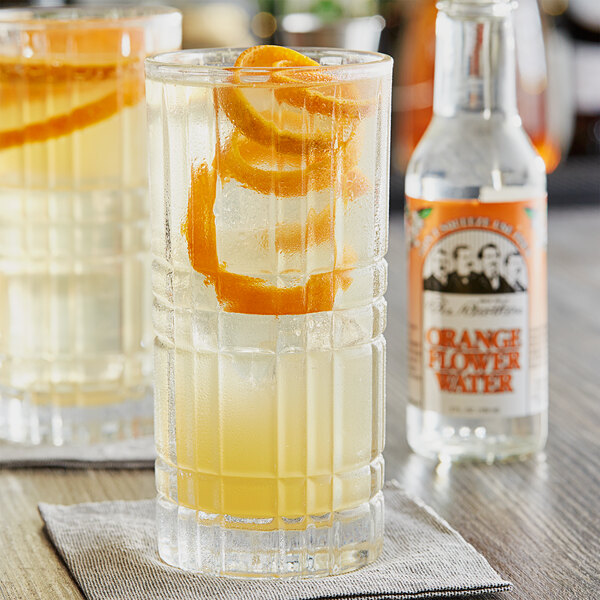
pixel 477 307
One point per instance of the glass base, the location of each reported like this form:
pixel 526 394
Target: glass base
pixel 26 420
pixel 493 439
pixel 311 547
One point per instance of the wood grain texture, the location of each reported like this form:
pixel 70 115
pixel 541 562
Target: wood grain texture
pixel 536 521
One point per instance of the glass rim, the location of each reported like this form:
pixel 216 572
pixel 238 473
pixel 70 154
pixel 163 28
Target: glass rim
pixel 164 66
pixel 103 16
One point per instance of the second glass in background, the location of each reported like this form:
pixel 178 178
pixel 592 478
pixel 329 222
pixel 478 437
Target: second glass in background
pixel 74 274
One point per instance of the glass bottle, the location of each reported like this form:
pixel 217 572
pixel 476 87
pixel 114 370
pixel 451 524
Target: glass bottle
pixel 476 232
pixel 415 74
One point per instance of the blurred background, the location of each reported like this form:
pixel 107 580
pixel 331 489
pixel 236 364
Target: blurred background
pixel 558 65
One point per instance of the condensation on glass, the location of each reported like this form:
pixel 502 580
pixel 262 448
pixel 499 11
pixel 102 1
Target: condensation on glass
pixel 268 281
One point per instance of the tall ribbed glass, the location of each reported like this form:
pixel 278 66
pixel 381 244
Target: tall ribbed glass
pixel 269 191
pixel 74 271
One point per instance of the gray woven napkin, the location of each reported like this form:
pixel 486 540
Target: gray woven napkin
pixel 128 454
pixel 110 549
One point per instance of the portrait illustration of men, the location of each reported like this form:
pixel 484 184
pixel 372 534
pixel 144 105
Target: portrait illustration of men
pixel 463 280
pixel 490 281
pixel 514 270
pixel 438 280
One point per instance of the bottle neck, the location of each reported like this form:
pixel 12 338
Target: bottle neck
pixel 475 66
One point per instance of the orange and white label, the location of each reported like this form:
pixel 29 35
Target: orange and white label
pixel 477 307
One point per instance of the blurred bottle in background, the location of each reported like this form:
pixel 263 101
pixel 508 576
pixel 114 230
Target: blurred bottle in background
pixel 581 20
pixel 413 101
pixel 415 68
pixel 533 96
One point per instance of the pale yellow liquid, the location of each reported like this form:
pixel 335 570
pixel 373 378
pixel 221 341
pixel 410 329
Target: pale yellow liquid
pixel 260 447
pixel 266 419
pixel 74 278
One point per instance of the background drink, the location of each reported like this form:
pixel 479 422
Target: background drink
pixel 74 338
pixel 269 404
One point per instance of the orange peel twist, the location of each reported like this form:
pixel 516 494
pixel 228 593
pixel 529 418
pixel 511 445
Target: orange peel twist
pixel 267 155
pixel 242 293
pixel 130 92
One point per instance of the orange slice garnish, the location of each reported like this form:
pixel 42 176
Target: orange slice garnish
pixel 310 87
pixel 258 168
pixel 319 95
pixel 291 136
pixel 286 131
pixel 269 56
pixel 27 80
pixel 261 169
pixel 78 118
pixel 32 73
pixel 282 131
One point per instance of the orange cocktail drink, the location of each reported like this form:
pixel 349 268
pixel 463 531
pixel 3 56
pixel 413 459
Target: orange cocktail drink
pixel 74 275
pixel 269 189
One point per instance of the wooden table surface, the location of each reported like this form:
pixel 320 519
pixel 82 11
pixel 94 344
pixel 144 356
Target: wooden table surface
pixel 536 521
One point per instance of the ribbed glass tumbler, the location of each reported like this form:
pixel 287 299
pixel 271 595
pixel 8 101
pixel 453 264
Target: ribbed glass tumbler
pixel 75 328
pixel 269 190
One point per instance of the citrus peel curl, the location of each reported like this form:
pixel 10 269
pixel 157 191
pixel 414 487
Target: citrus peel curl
pixel 130 94
pixel 237 163
pixel 280 152
pixel 242 293
pixel 341 99
pixel 258 168
pixel 296 88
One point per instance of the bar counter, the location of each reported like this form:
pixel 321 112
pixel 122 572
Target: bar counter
pixel 536 521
